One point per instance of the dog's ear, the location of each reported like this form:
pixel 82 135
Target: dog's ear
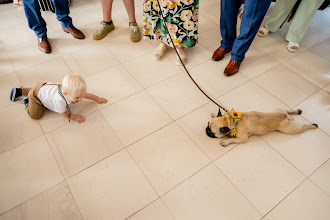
pixel 219 113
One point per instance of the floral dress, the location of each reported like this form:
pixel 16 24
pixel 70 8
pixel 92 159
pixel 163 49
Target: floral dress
pixel 181 17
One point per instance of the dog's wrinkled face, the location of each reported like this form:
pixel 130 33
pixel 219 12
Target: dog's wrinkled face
pixel 219 126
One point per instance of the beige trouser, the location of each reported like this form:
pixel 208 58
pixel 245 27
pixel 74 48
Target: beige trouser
pixel 34 108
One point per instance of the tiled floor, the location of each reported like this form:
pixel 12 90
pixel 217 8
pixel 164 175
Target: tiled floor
pixel 144 155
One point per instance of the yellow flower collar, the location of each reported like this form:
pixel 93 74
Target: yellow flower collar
pixel 236 117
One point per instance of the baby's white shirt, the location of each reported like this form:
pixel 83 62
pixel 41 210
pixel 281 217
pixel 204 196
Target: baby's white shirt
pixel 51 99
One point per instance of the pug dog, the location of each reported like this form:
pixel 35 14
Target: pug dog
pixel 251 123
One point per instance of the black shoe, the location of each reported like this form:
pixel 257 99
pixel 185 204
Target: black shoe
pixel 15 94
pixel 26 101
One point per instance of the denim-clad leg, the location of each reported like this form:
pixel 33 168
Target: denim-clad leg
pixel 228 22
pixel 33 16
pixel 254 13
pixel 62 12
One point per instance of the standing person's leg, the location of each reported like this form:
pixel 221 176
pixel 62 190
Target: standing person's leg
pixel 130 8
pixel 228 24
pixel 254 12
pixel 302 19
pixel 279 14
pixel 134 31
pixel 34 18
pixel 106 25
pixel 62 13
pixel 37 24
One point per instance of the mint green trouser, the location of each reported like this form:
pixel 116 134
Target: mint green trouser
pixel 301 20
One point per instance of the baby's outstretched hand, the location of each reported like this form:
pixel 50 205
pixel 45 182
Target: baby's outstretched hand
pixel 101 100
pixel 78 118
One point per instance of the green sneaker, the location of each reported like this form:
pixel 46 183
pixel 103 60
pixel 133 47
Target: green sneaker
pixel 103 30
pixel 134 32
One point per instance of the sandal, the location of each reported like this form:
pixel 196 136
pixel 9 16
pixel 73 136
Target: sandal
pixel 293 47
pixel 160 53
pixel 263 32
pixel 183 58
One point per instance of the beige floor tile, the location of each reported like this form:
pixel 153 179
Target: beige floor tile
pixel 210 77
pixel 114 84
pixel 212 12
pixel 127 116
pixel 250 97
pixel 28 54
pixel 91 60
pixel 167 157
pixel 6 66
pixel 211 39
pixel 120 45
pixel 327 88
pixel 49 71
pixel 306 151
pixel 321 177
pixel 256 63
pixel 257 170
pixel 275 46
pixel 11 16
pixel 7 82
pixel 66 44
pixel 286 85
pixel 25 172
pixel 16 127
pixel 55 203
pixel 205 23
pixel 156 210
pixel 305 203
pixel 316 110
pixel 194 125
pixel 206 196
pixel 148 71
pixel 177 95
pixel 17 34
pixel 115 188
pixel 322 49
pixel 52 120
pixel 312 67
pixel 195 56
pixel 93 141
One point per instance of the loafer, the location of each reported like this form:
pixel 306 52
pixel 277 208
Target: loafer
pixel 232 68
pixel 74 32
pixel 44 45
pixel 219 54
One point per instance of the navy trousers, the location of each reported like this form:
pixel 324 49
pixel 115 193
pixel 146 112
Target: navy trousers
pixel 254 13
pixel 37 23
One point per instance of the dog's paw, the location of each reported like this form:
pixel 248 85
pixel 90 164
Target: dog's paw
pixel 222 143
pixel 316 126
pixel 299 112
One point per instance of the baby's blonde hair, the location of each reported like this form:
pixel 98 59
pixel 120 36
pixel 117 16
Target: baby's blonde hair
pixel 74 85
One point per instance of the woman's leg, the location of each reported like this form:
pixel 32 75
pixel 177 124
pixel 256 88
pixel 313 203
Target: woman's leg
pixel 302 19
pixel 279 14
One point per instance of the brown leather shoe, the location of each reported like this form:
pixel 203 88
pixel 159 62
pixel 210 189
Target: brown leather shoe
pixel 44 45
pixel 219 54
pixel 232 68
pixel 74 32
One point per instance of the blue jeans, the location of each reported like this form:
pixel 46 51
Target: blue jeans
pixel 37 23
pixel 254 13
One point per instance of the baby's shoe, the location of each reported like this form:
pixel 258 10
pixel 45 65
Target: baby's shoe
pixel 134 32
pixel 15 94
pixel 26 101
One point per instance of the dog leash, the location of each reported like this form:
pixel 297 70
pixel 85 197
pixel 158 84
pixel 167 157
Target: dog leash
pixel 168 33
